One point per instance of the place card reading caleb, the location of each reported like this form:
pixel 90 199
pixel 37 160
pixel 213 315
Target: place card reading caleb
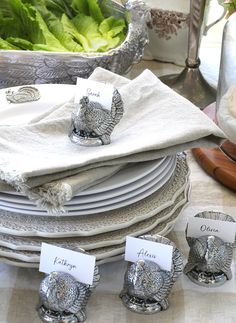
pixel 80 265
pixel 159 253
pixel 95 91
pixel 198 227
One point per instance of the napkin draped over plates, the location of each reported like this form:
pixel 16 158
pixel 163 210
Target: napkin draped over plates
pixel 39 159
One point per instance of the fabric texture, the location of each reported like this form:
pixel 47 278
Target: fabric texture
pixel 40 160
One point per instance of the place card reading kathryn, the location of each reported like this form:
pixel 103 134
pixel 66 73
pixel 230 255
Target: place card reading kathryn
pixel 159 253
pixel 79 265
pixel 95 91
pixel 198 227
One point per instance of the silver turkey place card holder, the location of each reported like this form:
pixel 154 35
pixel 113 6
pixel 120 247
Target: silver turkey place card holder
pixel 98 109
pixel 154 265
pixel 65 291
pixel 211 238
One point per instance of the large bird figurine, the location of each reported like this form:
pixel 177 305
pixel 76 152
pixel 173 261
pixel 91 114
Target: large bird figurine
pixel 146 285
pixel 209 255
pixel 63 299
pixel 93 121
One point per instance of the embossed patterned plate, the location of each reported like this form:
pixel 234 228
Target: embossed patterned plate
pixel 101 206
pixel 159 220
pixel 63 226
pixel 103 254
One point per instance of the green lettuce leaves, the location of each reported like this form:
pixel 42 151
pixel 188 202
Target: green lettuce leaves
pixel 58 25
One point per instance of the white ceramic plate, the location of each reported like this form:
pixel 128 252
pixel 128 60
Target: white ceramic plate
pixel 128 175
pixel 104 252
pixel 104 205
pixel 160 220
pixel 132 177
pixel 14 114
pixel 23 264
pixel 64 226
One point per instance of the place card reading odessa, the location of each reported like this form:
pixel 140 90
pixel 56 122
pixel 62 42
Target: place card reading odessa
pixel 159 253
pixel 198 227
pixel 79 265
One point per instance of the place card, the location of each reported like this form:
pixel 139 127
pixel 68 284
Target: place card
pixel 79 265
pixel 95 91
pixel 159 253
pixel 198 227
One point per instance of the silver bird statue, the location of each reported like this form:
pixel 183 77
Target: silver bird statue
pixel 146 285
pixel 209 260
pixel 144 280
pixel 23 94
pixel 63 299
pixel 92 124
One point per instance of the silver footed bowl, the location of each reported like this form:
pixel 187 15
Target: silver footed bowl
pixel 19 67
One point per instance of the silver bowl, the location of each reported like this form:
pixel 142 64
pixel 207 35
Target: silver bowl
pixel 19 67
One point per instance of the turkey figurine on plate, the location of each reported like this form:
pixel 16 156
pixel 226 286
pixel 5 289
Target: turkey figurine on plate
pixel 92 123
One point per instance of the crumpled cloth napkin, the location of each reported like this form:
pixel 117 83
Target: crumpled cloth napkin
pixel 40 160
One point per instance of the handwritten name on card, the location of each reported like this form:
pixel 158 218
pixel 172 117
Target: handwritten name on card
pixel 159 253
pixel 198 227
pixel 95 91
pixel 79 265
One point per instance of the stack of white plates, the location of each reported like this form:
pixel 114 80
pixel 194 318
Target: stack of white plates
pixel 129 185
pixel 141 198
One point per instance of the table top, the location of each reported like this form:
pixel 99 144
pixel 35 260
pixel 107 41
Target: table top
pixel 188 301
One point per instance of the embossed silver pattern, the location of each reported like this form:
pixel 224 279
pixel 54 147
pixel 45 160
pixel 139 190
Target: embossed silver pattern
pixel 92 124
pixel 29 67
pixel 146 285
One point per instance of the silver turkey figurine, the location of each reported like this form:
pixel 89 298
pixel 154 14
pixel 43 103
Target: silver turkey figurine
pixel 146 285
pixel 92 124
pixel 23 94
pixel 209 261
pixel 63 299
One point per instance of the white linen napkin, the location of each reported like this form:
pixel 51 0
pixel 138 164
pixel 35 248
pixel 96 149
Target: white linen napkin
pixel 38 158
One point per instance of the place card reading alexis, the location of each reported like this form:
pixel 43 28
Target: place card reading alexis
pixel 198 227
pixel 79 265
pixel 95 91
pixel 159 253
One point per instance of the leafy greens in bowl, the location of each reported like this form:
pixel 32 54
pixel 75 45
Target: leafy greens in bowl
pixel 58 26
pixel 56 41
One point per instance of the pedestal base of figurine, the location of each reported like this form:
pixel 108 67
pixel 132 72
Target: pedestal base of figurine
pixel 207 279
pixel 138 305
pixel 56 317
pixel 83 141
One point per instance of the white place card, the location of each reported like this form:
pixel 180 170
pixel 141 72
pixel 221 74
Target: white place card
pixel 198 227
pixel 96 91
pixel 79 265
pixel 159 253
